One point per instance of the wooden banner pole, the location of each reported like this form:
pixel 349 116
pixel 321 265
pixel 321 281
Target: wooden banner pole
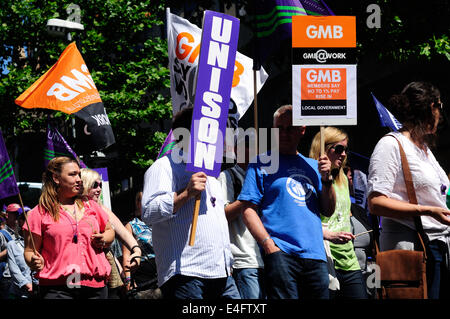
pixel 322 147
pixel 26 221
pixel 194 220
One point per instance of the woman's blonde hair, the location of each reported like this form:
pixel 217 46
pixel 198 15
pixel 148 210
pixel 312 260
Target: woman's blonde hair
pixel 88 177
pixel 49 196
pixel 331 135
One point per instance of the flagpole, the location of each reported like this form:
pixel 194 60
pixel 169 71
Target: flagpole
pixel 255 109
pixel 4 156
pixel 194 220
pixel 26 221
pixel 322 142
pixel 322 147
pixel 198 197
pixel 256 67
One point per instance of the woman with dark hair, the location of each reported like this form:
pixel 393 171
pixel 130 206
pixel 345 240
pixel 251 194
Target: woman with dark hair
pixel 419 108
pixel 68 237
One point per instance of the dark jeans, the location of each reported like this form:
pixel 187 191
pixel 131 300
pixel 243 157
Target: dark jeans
pixel 351 285
pixel 64 292
pixel 250 282
pixel 438 277
pixel 291 277
pixel 5 284
pixel 145 272
pixel 186 287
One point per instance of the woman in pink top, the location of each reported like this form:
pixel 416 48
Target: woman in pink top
pixel 69 236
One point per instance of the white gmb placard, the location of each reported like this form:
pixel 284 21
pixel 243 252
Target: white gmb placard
pixel 300 118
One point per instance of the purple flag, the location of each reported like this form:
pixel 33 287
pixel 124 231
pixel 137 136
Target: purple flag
pixel 316 7
pixel 212 96
pixel 167 146
pixel 273 23
pixel 8 184
pixel 57 146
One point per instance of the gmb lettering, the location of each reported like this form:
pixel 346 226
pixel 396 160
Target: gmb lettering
pixel 185 50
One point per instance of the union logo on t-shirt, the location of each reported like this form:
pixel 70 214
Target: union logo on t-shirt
pixel 299 187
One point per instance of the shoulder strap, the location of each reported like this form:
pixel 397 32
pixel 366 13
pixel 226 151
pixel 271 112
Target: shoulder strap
pixel 6 234
pixel 411 192
pixel 237 185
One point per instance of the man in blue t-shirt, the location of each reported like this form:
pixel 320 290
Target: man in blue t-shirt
pixel 282 211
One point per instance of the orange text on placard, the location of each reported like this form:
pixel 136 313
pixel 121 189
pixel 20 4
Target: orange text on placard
pixel 323 84
pixel 185 49
pixel 323 32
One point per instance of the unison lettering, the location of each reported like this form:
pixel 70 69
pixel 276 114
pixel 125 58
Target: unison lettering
pixel 208 129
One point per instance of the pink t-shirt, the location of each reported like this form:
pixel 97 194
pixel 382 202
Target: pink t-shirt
pixel 63 257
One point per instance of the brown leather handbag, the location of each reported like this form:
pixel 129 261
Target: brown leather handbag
pixel 403 272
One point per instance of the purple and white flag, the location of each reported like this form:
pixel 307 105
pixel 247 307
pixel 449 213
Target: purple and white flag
pixel 212 97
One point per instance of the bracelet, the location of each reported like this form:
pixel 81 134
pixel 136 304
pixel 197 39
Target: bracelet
pixel 127 280
pixel 327 182
pixel 264 240
pixel 135 246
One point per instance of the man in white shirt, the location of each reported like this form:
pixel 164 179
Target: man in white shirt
pixel 248 265
pixel 201 271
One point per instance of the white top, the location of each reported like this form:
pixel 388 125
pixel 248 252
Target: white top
pixel 386 177
pixel 244 247
pixel 210 256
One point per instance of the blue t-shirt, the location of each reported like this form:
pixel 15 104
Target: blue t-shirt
pixel 288 203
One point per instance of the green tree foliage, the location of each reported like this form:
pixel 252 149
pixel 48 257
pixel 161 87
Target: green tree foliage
pixel 410 31
pixel 125 49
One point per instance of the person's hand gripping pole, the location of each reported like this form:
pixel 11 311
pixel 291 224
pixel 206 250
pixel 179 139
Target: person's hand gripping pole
pixel 195 187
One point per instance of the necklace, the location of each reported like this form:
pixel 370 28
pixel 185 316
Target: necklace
pixel 74 215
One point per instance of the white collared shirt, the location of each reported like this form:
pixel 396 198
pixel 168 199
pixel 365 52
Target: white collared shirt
pixel 210 256
pixel 386 177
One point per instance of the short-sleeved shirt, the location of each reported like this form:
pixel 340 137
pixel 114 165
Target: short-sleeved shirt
pixel 62 255
pixel 288 204
pixel 143 234
pixel 245 250
pixel 386 177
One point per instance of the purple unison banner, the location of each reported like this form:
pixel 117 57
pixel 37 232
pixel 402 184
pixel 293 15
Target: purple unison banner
pixel 212 96
pixel 57 146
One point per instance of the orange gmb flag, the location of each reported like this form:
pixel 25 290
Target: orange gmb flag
pixel 66 87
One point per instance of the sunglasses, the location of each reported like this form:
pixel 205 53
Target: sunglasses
pixel 97 184
pixel 339 149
